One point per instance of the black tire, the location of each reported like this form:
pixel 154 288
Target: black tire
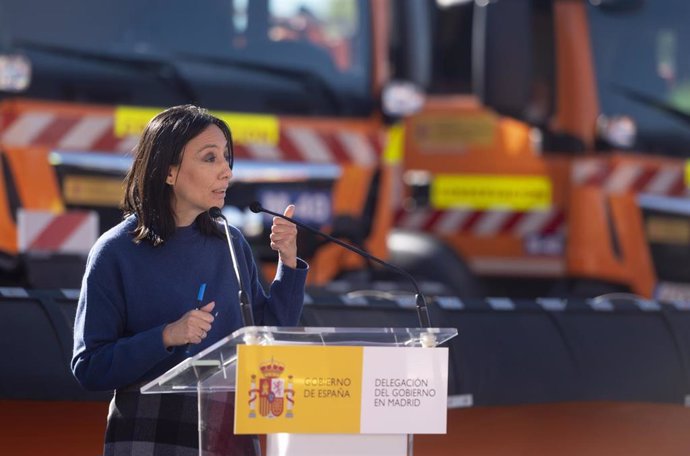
pixel 428 258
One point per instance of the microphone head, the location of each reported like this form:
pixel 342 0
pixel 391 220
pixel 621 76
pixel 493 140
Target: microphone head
pixel 256 207
pixel 215 213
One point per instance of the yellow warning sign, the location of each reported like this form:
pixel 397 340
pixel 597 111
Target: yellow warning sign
pixel 452 133
pixel 490 192
pixel 93 191
pixel 246 128
pixel 130 121
pixel 392 154
pixel 668 230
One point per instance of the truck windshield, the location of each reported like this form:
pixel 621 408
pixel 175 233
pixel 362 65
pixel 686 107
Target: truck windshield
pixel 302 57
pixel 642 65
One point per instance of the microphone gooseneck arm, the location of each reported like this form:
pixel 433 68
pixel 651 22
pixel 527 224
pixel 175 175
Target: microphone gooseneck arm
pixel 420 300
pixel 245 305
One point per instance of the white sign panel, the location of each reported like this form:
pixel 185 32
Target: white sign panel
pixel 404 391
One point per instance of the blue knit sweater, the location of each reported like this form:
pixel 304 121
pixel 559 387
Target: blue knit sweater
pixel 131 291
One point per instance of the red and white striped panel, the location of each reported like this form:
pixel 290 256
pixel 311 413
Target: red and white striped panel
pixel 71 232
pixel 632 177
pixel 64 131
pixel 304 144
pixel 483 223
pixel 73 132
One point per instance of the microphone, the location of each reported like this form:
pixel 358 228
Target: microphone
pixel 422 310
pixel 245 306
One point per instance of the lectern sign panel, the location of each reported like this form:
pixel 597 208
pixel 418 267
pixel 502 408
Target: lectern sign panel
pixel 292 388
pixel 404 390
pixel 319 389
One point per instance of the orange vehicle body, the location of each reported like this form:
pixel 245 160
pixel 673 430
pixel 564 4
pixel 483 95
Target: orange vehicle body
pixel 589 193
pixel 451 135
pixel 32 129
pixel 39 189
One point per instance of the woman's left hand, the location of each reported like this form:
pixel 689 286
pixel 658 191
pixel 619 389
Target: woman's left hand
pixel 284 238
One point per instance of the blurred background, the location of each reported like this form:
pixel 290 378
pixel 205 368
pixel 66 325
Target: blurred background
pixel 525 160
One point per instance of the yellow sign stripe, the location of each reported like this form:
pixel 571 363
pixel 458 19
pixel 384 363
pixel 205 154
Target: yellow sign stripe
pixel 393 152
pixel 130 121
pixel 443 132
pixel 93 191
pixel 246 128
pixel 490 192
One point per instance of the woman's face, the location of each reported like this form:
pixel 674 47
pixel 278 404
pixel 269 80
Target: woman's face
pixel 200 180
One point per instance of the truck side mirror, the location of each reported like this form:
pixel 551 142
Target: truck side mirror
pixel 15 72
pixel 401 99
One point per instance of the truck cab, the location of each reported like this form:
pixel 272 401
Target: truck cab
pixel 550 154
pixel 297 81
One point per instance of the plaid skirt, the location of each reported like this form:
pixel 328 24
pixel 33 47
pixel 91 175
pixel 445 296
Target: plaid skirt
pixel 167 425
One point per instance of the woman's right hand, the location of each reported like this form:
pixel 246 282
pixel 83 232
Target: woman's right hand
pixel 191 328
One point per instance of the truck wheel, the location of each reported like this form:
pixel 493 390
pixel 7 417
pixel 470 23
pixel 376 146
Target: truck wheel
pixel 428 258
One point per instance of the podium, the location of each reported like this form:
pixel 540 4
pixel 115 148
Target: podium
pixel 213 374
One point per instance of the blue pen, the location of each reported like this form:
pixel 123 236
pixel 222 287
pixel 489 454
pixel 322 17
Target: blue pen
pixel 199 305
pixel 200 296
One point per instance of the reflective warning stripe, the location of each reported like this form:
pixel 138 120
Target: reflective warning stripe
pixel 23 130
pixel 483 223
pixel 66 131
pixel 70 232
pixel 86 132
pixel 95 132
pixel 359 148
pixel 634 177
pixel 305 144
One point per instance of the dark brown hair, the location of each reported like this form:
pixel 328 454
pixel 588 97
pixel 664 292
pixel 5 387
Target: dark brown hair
pixel 160 146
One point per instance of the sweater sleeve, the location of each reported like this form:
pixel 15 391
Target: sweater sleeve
pixel 104 357
pixel 282 306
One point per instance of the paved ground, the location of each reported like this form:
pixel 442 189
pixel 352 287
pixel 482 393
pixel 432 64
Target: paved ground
pixel 590 429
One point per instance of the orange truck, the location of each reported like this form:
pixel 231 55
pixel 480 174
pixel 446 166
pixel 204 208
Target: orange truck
pixel 474 191
pixel 550 155
pixel 297 81
pixel 559 170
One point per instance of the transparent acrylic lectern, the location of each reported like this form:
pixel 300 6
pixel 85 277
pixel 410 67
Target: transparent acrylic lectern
pixel 212 374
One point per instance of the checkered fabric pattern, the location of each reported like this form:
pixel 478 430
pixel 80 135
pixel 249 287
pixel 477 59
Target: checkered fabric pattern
pixel 167 425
